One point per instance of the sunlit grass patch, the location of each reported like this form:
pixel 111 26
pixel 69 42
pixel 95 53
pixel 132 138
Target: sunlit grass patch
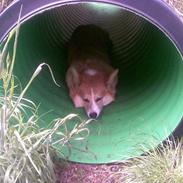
pixel 163 164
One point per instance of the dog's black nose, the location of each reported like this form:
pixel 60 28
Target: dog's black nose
pixel 93 115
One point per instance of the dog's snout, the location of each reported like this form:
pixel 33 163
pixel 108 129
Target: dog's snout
pixel 93 115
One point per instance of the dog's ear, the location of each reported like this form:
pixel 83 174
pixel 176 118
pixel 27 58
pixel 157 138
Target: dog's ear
pixel 107 99
pixel 112 81
pixel 72 77
pixel 78 101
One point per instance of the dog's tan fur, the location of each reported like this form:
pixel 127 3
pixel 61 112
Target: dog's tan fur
pixel 90 78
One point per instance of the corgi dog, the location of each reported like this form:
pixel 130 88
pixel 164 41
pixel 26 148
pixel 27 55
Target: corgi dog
pixel 90 78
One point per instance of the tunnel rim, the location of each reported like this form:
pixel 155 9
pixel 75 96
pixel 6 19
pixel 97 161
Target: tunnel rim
pixel 144 9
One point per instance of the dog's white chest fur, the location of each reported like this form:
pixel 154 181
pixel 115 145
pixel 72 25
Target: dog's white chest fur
pixel 90 72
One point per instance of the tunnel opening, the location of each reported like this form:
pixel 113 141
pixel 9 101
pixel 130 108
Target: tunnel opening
pixel 149 99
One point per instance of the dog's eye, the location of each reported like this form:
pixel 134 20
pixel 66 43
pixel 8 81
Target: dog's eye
pixel 86 100
pixel 98 99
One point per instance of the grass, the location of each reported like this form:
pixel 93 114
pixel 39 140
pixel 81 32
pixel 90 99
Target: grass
pixel 26 150
pixel 5 3
pixel 160 165
pixel 177 6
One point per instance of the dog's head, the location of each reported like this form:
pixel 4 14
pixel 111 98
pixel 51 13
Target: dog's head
pixel 91 90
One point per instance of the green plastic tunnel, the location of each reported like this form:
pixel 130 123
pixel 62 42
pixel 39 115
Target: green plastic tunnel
pixel 147 50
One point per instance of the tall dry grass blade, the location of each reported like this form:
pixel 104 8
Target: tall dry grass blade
pixel 35 74
pixel 26 151
pixel 10 73
pixel 4 51
pixel 3 127
pixel 51 72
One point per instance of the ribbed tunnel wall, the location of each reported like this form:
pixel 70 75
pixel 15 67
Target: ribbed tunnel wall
pixel 149 103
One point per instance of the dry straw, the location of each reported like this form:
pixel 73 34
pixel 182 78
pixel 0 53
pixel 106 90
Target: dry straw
pixel 163 164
